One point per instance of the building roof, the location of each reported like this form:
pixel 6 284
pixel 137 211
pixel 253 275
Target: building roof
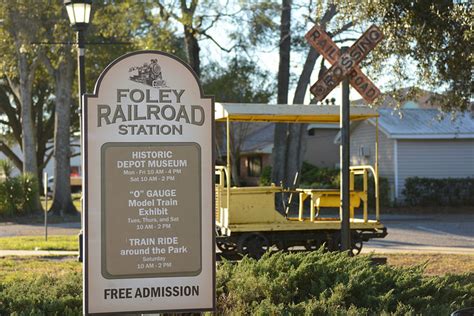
pixel 299 113
pixel 425 124
pixel 260 140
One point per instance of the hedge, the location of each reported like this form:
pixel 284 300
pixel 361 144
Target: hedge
pixel 439 192
pixel 321 283
pixel 316 283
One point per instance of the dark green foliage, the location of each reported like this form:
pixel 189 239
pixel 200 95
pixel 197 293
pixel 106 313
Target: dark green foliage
pixel 317 177
pixel 266 177
pixel 315 283
pixel 328 178
pixel 321 283
pixel 41 294
pixel 384 189
pixel 16 195
pixel 438 36
pixel 439 192
pixel 6 168
pixel 241 81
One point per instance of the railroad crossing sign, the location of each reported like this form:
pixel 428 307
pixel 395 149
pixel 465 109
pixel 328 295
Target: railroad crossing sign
pixel 344 64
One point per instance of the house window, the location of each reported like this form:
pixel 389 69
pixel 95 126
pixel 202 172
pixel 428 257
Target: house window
pixel 254 166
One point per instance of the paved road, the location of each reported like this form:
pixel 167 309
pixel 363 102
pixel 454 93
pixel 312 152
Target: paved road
pixel 428 233
pixel 439 233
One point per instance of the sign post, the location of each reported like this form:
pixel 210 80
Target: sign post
pixel 344 68
pixel 149 228
pixel 344 159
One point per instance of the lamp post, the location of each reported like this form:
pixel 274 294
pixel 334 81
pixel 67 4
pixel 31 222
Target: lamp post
pixel 79 12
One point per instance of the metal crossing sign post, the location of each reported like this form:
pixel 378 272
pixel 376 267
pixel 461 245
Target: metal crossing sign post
pixel 344 69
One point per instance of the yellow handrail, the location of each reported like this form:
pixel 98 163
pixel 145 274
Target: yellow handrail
pixel 364 168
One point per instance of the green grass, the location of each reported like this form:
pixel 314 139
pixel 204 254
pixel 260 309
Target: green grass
pixel 18 266
pixel 76 200
pixel 68 243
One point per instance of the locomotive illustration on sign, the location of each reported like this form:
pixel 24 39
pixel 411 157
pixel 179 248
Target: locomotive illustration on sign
pixel 149 74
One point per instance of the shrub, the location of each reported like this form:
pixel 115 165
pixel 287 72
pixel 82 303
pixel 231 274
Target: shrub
pixel 314 283
pixel 16 195
pixel 316 177
pixel 6 168
pixel 384 190
pixel 327 178
pixel 439 192
pixel 266 177
pixel 319 283
pixel 41 294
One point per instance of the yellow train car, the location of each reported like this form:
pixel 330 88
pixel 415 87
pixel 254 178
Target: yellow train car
pixel 247 221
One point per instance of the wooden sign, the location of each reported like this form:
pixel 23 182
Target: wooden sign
pixel 149 226
pixel 344 64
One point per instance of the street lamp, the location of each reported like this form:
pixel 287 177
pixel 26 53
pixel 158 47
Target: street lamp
pixel 79 12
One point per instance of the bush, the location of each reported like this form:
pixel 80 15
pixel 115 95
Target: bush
pixel 6 168
pixel 384 190
pixel 329 178
pixel 41 293
pixel 16 195
pixel 314 283
pixel 439 192
pixel 321 178
pixel 319 283
pixel 266 177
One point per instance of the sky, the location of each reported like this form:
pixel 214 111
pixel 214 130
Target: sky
pixel 268 59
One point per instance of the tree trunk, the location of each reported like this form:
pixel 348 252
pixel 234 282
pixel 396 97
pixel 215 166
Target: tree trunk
pixel 279 157
pixel 192 49
pixel 280 139
pixel 290 156
pixel 190 39
pixel 62 200
pixel 297 134
pixel 30 164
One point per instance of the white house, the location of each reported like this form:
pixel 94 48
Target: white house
pixel 416 143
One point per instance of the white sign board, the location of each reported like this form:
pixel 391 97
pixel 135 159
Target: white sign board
pixel 148 157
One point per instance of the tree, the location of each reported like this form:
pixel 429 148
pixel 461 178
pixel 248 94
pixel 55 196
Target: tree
pixel 241 81
pixel 433 43
pixel 116 29
pixel 19 30
pixel 290 140
pixel 196 18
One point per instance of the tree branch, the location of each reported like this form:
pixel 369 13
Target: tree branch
pixel 48 157
pixel 228 50
pixel 48 64
pixel 344 28
pixel 12 115
pixel 165 14
pixel 32 70
pixel 15 87
pixel 11 155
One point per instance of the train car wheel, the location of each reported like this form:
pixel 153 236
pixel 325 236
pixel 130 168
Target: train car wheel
pixel 226 247
pixel 312 244
pixel 356 244
pixel 253 244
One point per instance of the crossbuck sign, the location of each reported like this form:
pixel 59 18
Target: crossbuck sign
pixel 344 64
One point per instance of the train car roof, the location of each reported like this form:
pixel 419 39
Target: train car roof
pixel 299 113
